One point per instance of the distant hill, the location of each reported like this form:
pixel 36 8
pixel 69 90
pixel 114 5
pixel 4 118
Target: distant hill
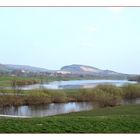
pixel 25 67
pixel 10 67
pixel 89 70
pixel 3 68
pixel 71 70
pixel 80 69
pixel 86 69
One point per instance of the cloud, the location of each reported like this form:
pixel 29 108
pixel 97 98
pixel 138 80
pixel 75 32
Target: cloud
pixel 92 28
pixel 116 9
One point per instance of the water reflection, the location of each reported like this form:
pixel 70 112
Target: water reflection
pixel 54 108
pixel 78 84
pixel 131 101
pixel 46 110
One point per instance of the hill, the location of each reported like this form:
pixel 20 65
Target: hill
pixel 88 70
pixel 70 70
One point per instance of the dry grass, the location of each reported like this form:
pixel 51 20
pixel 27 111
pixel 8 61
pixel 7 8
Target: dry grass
pixel 131 91
pixel 103 96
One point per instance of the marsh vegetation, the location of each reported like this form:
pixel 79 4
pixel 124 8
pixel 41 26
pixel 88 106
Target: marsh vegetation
pixel 108 116
pixel 102 95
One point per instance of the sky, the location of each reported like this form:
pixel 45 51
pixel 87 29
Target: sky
pixel 51 37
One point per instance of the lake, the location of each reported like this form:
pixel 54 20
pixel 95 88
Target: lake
pixel 46 110
pixel 52 109
pixel 77 84
pixel 61 108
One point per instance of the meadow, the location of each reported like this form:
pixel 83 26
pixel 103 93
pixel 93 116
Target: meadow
pixel 120 119
pixel 6 81
pixel 109 115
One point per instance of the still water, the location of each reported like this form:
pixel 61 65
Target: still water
pixel 77 84
pixel 61 108
pixel 53 108
pixel 46 110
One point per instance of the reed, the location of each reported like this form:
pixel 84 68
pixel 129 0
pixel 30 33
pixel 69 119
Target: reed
pixel 131 91
pixel 58 96
pixel 102 96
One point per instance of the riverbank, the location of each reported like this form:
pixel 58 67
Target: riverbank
pixel 6 81
pixel 120 119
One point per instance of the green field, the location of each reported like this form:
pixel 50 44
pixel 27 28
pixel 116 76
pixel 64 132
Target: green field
pixel 6 80
pixel 110 118
pixel 121 119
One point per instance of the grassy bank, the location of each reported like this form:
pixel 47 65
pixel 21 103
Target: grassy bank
pixel 121 119
pixel 5 81
pixel 102 96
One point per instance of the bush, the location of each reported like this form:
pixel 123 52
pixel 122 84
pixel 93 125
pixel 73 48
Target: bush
pixel 37 100
pixel 58 96
pixel 103 95
pixel 105 99
pixel 107 95
pixel 83 95
pixel 88 95
pixel 131 91
pixel 11 100
pixel 38 92
pixel 19 83
pixel 35 97
pixel 111 89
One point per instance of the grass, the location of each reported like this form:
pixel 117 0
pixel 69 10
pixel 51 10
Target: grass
pixel 121 119
pixel 131 91
pixel 112 119
pixel 107 95
pixel 103 95
pixel 6 80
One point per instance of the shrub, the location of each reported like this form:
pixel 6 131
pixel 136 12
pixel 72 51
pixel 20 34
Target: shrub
pixel 36 100
pixel 58 96
pixel 37 97
pixel 131 91
pixel 16 83
pixel 11 100
pixel 107 95
pixel 38 92
pixel 105 99
pixel 83 95
pixel 88 95
pixel 111 89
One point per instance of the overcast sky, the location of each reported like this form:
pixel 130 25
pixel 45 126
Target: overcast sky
pixel 51 37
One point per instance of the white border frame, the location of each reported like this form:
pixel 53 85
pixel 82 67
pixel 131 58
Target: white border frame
pixel 69 2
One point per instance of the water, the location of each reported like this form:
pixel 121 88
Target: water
pixel 61 108
pixel 53 108
pixel 131 101
pixel 77 84
pixel 46 110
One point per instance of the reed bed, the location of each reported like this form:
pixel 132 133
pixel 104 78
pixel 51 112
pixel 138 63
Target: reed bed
pixel 102 96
